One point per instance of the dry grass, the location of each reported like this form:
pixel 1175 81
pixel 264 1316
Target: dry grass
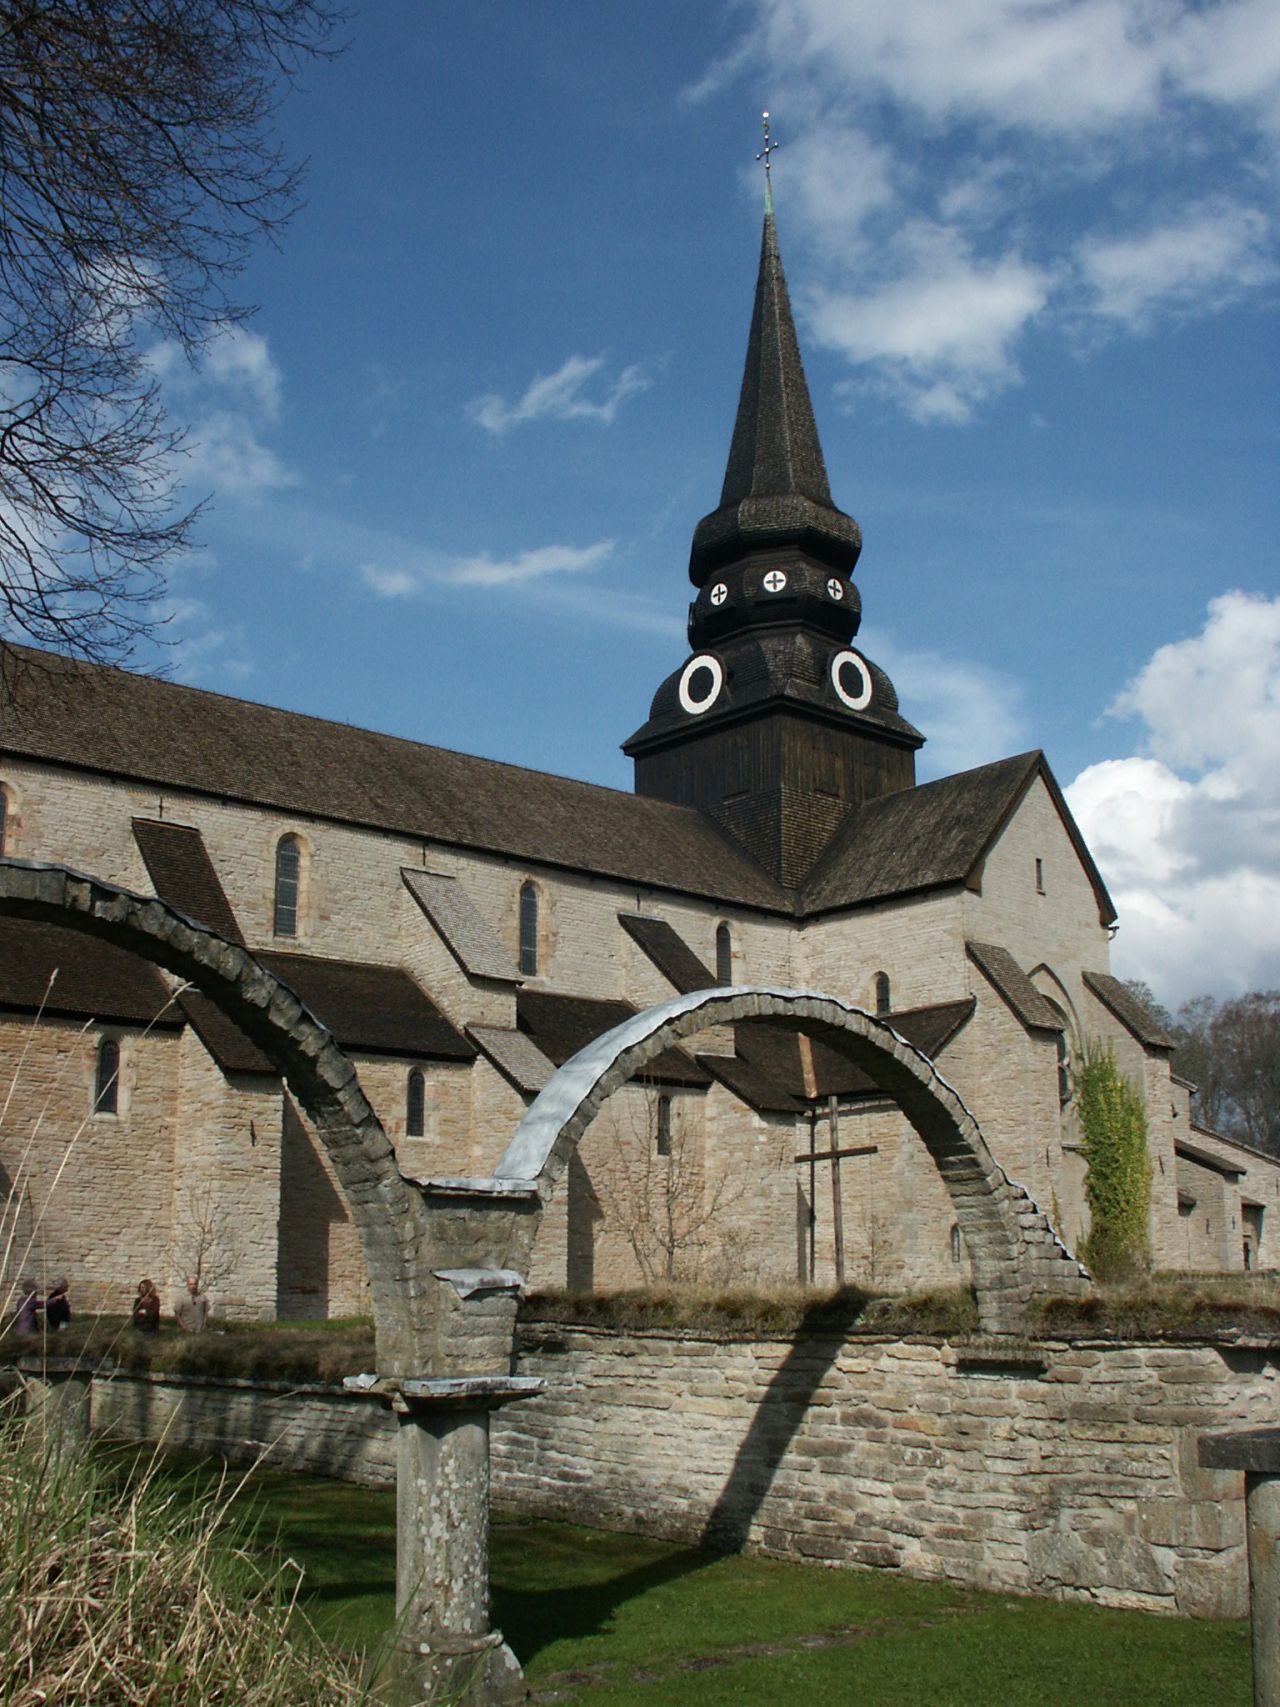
pixel 123 1590
pixel 1169 1306
pixel 776 1312
pixel 265 1351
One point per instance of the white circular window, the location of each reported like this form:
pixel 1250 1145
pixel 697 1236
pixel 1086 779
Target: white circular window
pixel 700 683
pixel 835 589
pixel 719 593
pixel 774 581
pixel 851 679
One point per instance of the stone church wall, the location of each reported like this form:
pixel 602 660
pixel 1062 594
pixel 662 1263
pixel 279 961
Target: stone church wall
pixel 1072 1473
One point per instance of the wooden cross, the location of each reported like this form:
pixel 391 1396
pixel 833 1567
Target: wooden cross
pixel 835 1155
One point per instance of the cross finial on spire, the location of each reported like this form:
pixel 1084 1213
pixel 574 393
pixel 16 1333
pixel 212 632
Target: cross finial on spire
pixel 765 152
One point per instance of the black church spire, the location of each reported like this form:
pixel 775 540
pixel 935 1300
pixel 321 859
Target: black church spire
pixel 776 727
pixel 775 486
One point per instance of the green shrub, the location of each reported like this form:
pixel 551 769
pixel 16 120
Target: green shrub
pixel 1113 1123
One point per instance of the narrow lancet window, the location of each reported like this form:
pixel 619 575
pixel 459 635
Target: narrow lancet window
pixel 662 1135
pixel 528 930
pixel 106 1097
pixel 288 886
pixel 884 994
pixel 724 955
pixel 4 818
pixel 415 1115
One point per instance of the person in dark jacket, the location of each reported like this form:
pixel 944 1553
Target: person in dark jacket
pixel 57 1306
pixel 146 1308
pixel 27 1310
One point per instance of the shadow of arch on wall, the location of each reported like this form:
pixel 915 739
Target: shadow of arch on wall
pixel 1013 1250
pixel 388 1217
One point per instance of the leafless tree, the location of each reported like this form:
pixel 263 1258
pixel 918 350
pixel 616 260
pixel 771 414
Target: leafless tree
pixel 137 166
pixel 204 1239
pixel 674 1213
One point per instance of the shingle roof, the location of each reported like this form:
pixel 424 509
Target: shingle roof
pixel 374 1008
pixel 668 951
pixel 1131 1013
pixel 180 868
pixel 918 838
pixel 110 721
pixel 561 1025
pixel 462 930
pixel 776 480
pixel 767 1072
pixel 1010 982
pixel 935 836
pixel 515 1055
pixel 224 1040
pixel 95 980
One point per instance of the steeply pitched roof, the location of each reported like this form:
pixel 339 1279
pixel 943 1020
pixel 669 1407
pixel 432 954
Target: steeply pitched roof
pixel 179 865
pixel 515 1055
pixel 462 930
pixel 109 721
pixel 1128 1010
pixel 95 980
pixel 935 836
pixel 775 484
pixel 668 951
pixel 374 1008
pixel 1010 982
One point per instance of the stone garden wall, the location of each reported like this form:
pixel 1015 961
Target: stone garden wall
pixel 1064 1469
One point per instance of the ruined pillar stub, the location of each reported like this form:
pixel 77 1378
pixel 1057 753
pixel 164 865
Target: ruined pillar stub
pixel 1257 1452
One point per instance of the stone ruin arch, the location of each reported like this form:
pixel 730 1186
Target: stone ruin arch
pixel 436 1250
pixel 386 1214
pixel 1014 1251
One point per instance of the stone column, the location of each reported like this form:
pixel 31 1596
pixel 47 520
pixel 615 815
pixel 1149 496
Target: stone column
pixel 444 1647
pixel 1257 1453
pixel 58 1400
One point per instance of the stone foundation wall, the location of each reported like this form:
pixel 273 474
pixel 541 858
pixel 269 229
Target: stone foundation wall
pixel 1058 1469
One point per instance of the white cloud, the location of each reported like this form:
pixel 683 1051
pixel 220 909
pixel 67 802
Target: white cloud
pixel 1202 261
pixel 1070 67
pixel 230 398
pixel 486 571
pixel 1018 173
pixel 1187 832
pixel 559 396
pixel 941 335
pixel 971 714
pixel 542 563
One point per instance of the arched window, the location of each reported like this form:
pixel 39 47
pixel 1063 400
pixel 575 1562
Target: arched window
pixel 288 886
pixel 4 817
pixel 528 930
pixel 662 1134
pixel 1064 1069
pixel 884 995
pixel 106 1096
pixel 955 1242
pixel 415 1112
pixel 724 955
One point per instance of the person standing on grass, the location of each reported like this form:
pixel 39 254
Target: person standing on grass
pixel 191 1312
pixel 145 1315
pixel 29 1306
pixel 57 1306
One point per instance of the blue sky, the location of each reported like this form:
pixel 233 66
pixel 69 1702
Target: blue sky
pixel 456 458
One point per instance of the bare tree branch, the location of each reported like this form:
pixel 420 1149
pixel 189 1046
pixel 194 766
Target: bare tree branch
pixel 137 168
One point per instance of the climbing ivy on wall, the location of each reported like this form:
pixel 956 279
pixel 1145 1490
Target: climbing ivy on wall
pixel 1113 1122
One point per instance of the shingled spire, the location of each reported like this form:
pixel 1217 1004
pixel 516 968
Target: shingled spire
pixel 775 486
pixel 775 726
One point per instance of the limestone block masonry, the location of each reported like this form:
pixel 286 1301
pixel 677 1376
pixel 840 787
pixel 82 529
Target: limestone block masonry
pixel 1056 1468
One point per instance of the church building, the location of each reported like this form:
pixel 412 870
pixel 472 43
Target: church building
pixel 463 927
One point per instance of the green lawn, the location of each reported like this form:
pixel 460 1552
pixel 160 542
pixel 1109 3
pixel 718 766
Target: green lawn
pixel 606 1620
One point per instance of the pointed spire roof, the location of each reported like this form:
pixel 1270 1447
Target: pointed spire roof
pixel 775 486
